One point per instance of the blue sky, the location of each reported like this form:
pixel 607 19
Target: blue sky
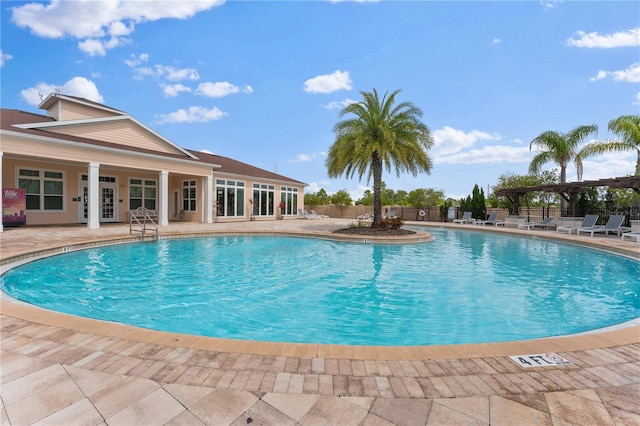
pixel 264 82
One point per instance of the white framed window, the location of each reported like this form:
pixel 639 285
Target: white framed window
pixel 44 189
pixel 189 195
pixel 288 200
pixel 229 197
pixel 143 193
pixel 263 199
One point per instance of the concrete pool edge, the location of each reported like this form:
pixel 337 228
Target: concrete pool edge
pixel 583 341
pixel 593 340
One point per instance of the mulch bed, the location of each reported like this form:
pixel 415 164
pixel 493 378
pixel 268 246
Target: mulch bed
pixel 374 232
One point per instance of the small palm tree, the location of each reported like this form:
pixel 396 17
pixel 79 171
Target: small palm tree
pixel 380 136
pixel 560 148
pixel 627 128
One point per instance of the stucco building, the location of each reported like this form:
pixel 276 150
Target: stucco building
pixel 84 162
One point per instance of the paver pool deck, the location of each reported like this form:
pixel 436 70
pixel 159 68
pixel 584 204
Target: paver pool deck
pixel 63 370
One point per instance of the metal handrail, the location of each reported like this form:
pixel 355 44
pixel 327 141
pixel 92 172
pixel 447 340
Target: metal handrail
pixel 142 213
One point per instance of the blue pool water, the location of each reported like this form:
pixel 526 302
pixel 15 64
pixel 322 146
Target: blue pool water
pixel 464 287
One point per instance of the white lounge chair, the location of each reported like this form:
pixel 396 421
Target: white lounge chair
pixel 315 215
pixel 466 218
pixel 588 221
pixel 492 219
pixel 613 225
pixel 631 235
pixel 368 216
pixel 547 222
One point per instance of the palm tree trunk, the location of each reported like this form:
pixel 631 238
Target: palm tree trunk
pixel 376 168
pixel 638 164
pixel 563 179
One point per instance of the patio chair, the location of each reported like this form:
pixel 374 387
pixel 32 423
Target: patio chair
pixel 544 223
pixel 492 219
pixel 631 235
pixel 588 221
pixel 466 218
pixel 613 225
pixel 315 215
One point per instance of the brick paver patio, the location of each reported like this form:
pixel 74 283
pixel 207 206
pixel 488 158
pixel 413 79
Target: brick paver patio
pixel 58 369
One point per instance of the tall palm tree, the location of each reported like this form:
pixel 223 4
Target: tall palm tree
pixel 380 136
pixel 627 128
pixel 560 148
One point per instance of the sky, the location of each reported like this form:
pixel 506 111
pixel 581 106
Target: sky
pixel 264 82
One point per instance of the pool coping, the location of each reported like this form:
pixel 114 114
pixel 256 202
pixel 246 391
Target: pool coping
pixel 620 335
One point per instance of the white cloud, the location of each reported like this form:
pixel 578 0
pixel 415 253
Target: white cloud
pixel 192 115
pixel 449 140
pixel 629 75
pixel 488 155
pixel 549 4
pixel 98 20
pixel 220 89
pixel 77 86
pixel 172 90
pixel 4 57
pixel 305 158
pixel 142 58
pixel 339 104
pixel 96 47
pixel 166 72
pixel 496 41
pixel 629 38
pixel 328 83
pixel 608 165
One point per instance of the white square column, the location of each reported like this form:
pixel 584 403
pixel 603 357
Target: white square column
pixel 208 199
pixel 93 219
pixel 163 213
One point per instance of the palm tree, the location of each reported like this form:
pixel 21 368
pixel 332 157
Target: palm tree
pixel 627 128
pixel 560 148
pixel 380 135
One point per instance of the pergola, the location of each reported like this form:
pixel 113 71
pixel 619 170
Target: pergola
pixel 569 191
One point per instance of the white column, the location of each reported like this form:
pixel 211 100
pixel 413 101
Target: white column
pixel 164 198
pixel 208 199
pixel 1 209
pixel 93 221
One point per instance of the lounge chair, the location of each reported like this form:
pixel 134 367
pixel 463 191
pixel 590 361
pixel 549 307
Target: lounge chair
pixel 631 235
pixel 547 222
pixel 492 219
pixel 613 225
pixel 315 215
pixel 466 218
pixel 368 216
pixel 588 221
pixel 511 220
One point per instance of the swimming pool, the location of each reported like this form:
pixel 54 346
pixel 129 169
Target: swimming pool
pixel 465 287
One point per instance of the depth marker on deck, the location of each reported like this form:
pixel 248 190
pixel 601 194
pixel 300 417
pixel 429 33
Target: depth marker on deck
pixel 540 360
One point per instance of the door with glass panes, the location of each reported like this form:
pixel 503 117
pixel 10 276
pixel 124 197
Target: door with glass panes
pixel 108 199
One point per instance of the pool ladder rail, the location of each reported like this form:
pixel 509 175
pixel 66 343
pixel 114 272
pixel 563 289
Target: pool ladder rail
pixel 142 219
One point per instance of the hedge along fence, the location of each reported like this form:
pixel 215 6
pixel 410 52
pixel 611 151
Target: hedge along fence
pixel 429 214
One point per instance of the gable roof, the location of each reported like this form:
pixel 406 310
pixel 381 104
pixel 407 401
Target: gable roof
pixel 53 97
pixel 16 121
pixel 235 167
pixel 119 116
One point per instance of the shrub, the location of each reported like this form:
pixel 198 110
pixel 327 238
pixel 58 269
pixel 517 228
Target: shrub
pixel 392 222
